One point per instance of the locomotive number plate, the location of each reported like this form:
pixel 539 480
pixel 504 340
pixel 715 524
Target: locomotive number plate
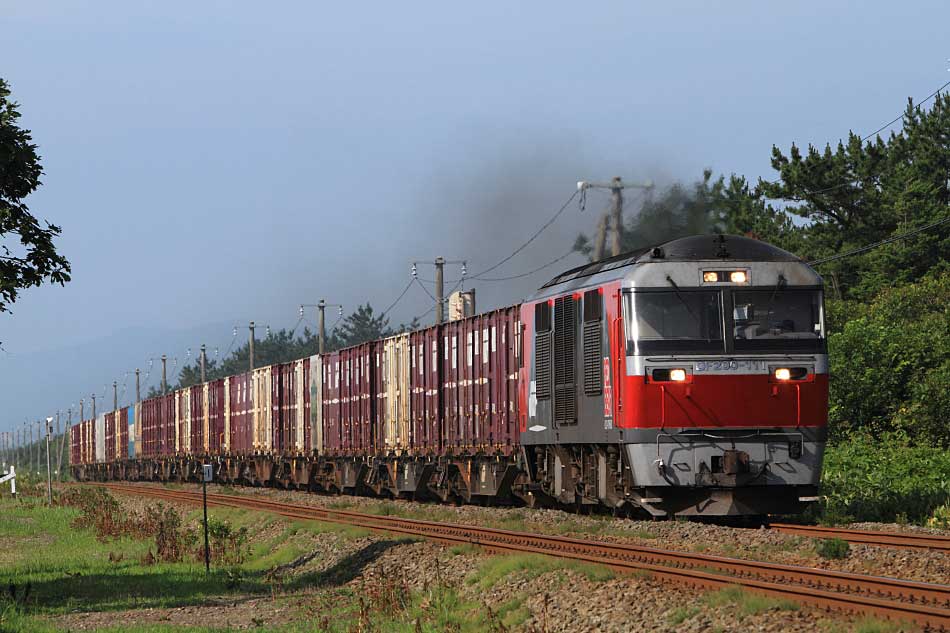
pixel 731 365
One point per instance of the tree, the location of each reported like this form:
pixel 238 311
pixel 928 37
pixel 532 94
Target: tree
pixel 28 256
pixel 865 191
pixel 706 206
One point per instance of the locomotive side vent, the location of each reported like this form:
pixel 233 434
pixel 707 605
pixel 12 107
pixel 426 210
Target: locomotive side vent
pixel 542 343
pixel 593 343
pixel 565 388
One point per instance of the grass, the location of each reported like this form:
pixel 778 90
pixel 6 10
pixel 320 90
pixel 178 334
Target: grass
pixel 681 614
pixel 79 573
pixel 528 566
pixel 746 603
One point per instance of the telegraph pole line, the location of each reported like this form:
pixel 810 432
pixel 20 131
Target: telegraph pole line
pixel 49 474
pixel 250 345
pixel 115 395
pixel 164 380
pixel 62 443
pixel 439 290
pixel 93 406
pixel 322 306
pixel 203 360
pixel 138 392
pixel 614 217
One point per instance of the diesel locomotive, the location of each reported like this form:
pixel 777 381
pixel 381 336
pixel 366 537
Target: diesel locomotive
pixel 689 378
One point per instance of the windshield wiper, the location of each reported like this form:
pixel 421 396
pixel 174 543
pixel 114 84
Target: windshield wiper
pixel 679 295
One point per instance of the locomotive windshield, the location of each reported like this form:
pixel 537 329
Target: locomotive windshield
pixel 684 320
pixel 674 321
pixel 777 319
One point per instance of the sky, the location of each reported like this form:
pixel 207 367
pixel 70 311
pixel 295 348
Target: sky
pixel 212 163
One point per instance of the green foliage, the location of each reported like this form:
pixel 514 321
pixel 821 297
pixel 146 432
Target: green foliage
pixel 832 548
pixel 868 478
pixel 28 256
pixel 890 363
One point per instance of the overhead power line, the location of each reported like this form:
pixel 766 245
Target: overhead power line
pixel 530 239
pixel 889 240
pixel 398 299
pixel 863 140
pixel 531 272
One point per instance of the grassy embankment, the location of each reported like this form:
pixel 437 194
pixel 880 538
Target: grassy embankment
pixel 98 559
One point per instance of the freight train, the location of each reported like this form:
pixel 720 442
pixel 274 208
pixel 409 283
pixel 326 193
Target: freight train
pixel 684 379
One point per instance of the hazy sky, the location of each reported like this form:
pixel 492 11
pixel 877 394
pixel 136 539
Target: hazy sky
pixel 215 162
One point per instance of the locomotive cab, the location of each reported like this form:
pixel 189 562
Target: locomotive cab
pixel 688 378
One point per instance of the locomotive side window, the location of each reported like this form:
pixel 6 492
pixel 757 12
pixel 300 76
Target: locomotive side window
pixel 673 321
pixel 777 319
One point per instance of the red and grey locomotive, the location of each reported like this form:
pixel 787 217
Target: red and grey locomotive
pixel 689 378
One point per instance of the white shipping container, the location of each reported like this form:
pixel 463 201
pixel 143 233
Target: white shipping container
pixel 263 410
pixel 101 438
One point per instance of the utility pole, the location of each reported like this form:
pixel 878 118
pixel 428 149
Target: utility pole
pixel 62 444
pixel 138 392
pixel 203 360
pixel 49 474
pixel 32 458
pixel 322 305
pixel 93 406
pixel 250 344
pixel 439 290
pixel 164 381
pixel 82 410
pixel 115 395
pixel 614 217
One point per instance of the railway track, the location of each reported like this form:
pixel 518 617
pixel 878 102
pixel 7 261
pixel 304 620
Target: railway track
pixel 925 604
pixel 868 537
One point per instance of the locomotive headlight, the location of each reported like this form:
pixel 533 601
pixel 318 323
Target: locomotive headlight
pixel 710 277
pixel 737 277
pixel 677 375
pixel 669 375
pixel 790 373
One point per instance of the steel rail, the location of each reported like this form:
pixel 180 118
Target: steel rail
pixel 868 537
pixel 923 603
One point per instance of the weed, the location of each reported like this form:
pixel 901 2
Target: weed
pixel 681 614
pixel 832 548
pixel 873 625
pixel 747 603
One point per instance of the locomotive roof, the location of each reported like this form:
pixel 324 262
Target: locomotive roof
pixel 694 248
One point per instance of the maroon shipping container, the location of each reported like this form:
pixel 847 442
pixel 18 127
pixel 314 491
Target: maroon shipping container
pixel 74 444
pixel 452 354
pixel 332 402
pixel 110 437
pixel 166 425
pixel 122 449
pixel 196 401
pixel 504 339
pixel 307 424
pixel 240 400
pixel 358 401
pixel 216 415
pixel 424 382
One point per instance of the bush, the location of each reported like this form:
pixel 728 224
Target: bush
pixel 834 548
pixel 890 363
pixel 884 479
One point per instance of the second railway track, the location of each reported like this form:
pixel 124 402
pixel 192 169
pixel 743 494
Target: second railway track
pixel 868 537
pixel 925 604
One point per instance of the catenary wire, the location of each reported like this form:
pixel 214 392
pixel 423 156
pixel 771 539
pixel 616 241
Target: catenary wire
pixel 863 139
pixel 398 299
pixel 889 240
pixel 530 239
pixel 531 272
